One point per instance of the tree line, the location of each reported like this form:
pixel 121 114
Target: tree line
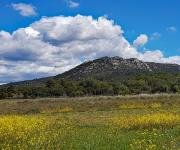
pixel 144 83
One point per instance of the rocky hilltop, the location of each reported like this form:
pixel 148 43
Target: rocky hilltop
pixel 116 68
pixel 107 69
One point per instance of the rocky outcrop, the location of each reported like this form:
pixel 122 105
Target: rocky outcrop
pixel 109 68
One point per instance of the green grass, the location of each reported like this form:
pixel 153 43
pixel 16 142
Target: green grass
pixel 88 123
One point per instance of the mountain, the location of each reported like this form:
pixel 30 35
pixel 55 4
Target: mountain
pixel 116 68
pixel 108 69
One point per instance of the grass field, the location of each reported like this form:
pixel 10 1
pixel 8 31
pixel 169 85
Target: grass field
pixel 92 123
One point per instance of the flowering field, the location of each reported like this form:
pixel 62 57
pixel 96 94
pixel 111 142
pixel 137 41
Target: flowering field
pixel 137 123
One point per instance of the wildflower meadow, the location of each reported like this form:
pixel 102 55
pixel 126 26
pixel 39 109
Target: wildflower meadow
pixel 134 123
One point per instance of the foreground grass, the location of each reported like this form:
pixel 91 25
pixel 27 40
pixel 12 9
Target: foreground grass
pixel 142 123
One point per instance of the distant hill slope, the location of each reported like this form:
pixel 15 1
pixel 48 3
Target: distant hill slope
pixel 116 68
pixel 108 69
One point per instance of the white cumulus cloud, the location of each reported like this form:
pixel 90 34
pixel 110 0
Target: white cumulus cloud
pixel 141 40
pixel 25 9
pixel 53 45
pixel 72 4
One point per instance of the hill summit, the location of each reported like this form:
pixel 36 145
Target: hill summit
pixel 113 69
pixel 116 68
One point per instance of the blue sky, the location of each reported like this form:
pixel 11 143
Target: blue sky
pixel 157 20
pixel 141 16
